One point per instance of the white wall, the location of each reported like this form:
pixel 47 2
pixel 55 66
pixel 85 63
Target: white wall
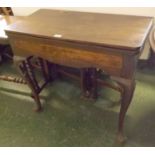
pixel 116 10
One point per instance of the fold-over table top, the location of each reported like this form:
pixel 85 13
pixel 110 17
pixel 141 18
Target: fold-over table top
pixel 109 30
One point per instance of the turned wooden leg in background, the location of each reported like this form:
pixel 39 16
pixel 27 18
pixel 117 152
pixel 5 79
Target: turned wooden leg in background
pixel 28 74
pixel 128 87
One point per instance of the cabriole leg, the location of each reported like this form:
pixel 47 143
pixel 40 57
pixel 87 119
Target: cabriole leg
pixel 128 87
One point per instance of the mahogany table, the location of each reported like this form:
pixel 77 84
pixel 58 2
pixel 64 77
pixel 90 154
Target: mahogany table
pixel 109 42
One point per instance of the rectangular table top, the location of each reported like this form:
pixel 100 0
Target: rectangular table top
pixel 108 30
pixel 4 22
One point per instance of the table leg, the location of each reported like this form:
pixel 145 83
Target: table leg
pixel 128 87
pixel 93 80
pixel 85 80
pixel 28 74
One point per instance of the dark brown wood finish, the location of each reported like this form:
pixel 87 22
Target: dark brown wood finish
pixel 87 41
pixel 110 30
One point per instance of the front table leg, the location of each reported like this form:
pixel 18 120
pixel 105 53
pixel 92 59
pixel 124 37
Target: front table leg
pixel 128 87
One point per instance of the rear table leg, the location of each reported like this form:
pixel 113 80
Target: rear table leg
pixel 89 83
pixel 93 79
pixel 85 79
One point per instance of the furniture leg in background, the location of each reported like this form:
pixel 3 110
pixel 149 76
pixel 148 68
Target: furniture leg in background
pixel 28 74
pixel 27 71
pixel 85 79
pixel 29 78
pixel 89 83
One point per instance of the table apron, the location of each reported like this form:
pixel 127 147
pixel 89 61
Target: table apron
pixel 111 62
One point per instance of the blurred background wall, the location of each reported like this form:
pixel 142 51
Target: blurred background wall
pixel 144 11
